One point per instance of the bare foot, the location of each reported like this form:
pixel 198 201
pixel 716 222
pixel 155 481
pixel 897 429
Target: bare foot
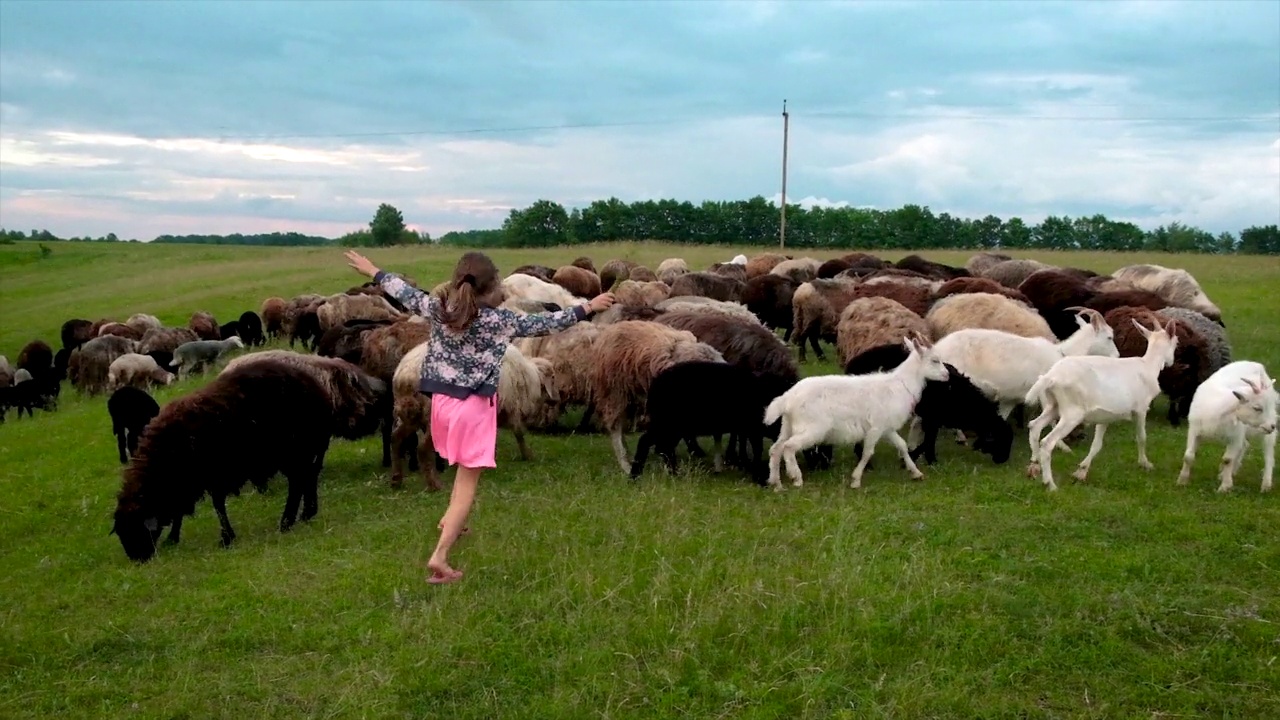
pixel 441 573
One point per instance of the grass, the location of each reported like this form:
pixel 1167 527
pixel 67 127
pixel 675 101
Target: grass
pixel 971 594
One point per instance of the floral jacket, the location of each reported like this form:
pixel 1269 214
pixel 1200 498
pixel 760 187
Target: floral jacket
pixel 463 364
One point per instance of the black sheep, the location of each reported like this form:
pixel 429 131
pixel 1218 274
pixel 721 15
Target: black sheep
pixel 229 329
pixel 164 359
pixel 36 393
pixel 60 361
pixel 75 333
pixel 307 330
pixel 131 409
pixel 251 329
pixel 276 416
pixel 956 403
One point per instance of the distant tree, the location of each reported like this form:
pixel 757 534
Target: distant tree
pixel 542 224
pixel 1264 240
pixel 387 226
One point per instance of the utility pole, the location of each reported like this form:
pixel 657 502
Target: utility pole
pixel 786 122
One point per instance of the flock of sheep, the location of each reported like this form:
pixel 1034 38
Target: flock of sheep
pixel 682 355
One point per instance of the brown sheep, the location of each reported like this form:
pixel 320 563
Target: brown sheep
pixel 273 310
pixel 690 303
pixel 870 322
pixel 90 365
pixel 75 332
pixel 831 268
pixel 620 312
pixel 931 269
pixel 164 340
pixel 641 294
pixel 1177 286
pixel 978 285
pixel 121 330
pixel 800 270
pixel 205 326
pixel 615 271
pixel 981 262
pixel 542 272
pixel 640 273
pixel 570 356
pixel 383 349
pixel 337 310
pixel 585 263
pixel 986 310
pixel 748 344
pixel 1191 356
pixel 627 357
pixel 764 263
pixel 769 296
pixel 1105 302
pixel 705 284
pixel 730 270
pixel 864 260
pixel 296 308
pixel 816 308
pixel 579 282
pixel 672 268
pixel 143 322
pixel 915 298
pixel 97 325
pixel 1011 273
pixel 36 357
pixel 1051 292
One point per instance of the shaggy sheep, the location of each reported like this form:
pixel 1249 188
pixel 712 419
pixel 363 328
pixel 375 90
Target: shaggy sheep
pixel 251 329
pixel 800 270
pixel 628 355
pixel 579 282
pixel 1051 292
pixel 898 276
pixel 90 365
pixel 934 270
pixel 640 274
pixel 831 268
pixel 1177 286
pixel 277 419
pixel 706 284
pixel 273 313
pixel 131 409
pixel 205 326
pixel 61 360
pixel 768 297
pixel 640 294
pixel 918 299
pixel 570 357
pixel 347 341
pixel 164 340
pixel 229 329
pixel 619 312
pixel 76 332
pixel 764 263
pixel 979 263
pixel 143 322
pixel 530 287
pixel 1105 302
pixel 816 308
pixel 1192 363
pixel 28 394
pixel 977 285
pixel 672 268
pixel 306 329
pixel 986 310
pixel 739 342
pixel 542 272
pixel 36 357
pixel 194 356
pixel 732 271
pixel 295 308
pixel 873 321
pixel 97 324
pixel 164 360
pixel 383 349
pixel 1011 273
pixel 136 370
pixel 338 309
pixel 692 303
pixel 585 263
pixel 121 330
pixel 615 271
pixel 1213 333
pixel 864 263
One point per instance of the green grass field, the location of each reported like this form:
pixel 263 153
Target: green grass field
pixel 971 594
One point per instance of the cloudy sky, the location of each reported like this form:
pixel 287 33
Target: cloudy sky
pixel 216 117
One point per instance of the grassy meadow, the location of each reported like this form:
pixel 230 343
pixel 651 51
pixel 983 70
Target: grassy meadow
pixel 971 594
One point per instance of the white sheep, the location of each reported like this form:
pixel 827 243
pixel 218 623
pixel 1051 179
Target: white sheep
pixel 738 260
pixel 21 376
pixel 137 370
pixel 529 287
pixel 1234 404
pixel 1099 391
pixel 190 355
pixel 848 409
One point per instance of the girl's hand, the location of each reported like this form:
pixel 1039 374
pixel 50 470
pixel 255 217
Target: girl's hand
pixel 361 263
pixel 602 302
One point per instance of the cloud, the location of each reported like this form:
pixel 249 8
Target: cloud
pixel 144 118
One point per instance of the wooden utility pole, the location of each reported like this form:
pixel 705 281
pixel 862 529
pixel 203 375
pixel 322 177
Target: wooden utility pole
pixel 786 122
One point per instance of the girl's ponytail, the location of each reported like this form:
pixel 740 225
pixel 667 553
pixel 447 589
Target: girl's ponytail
pixel 461 305
pixel 475 285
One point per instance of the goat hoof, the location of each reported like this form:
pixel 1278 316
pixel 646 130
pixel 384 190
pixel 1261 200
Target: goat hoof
pixel 1224 488
pixel 1081 474
pixel 1146 465
pixel 1033 470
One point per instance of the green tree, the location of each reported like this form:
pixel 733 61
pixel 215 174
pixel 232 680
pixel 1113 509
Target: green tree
pixel 387 226
pixel 1264 240
pixel 542 224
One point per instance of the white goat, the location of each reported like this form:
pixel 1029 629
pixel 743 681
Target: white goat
pixel 1233 404
pixel 848 409
pixel 1099 391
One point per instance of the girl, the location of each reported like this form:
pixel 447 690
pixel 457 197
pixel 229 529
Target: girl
pixel 469 334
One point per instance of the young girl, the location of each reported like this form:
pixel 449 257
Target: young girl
pixel 469 334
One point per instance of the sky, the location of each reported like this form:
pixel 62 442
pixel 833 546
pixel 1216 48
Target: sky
pixel 217 117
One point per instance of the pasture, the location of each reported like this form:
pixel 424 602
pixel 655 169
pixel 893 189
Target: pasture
pixel 973 593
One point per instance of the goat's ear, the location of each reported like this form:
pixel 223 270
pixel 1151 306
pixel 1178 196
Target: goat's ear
pixel 1145 332
pixel 907 344
pixel 1240 396
pixel 1170 329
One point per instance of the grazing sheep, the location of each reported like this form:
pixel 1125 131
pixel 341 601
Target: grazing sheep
pixel 847 409
pixel 916 298
pixel 143 322
pixel 672 268
pixel 273 313
pixel 131 409
pixel 831 268
pixel 28 394
pixel 873 321
pixel 338 309
pixel 977 285
pixel 164 360
pixel 76 332
pixel 615 271
pixel 36 357
pixel 1177 286
pixel 1051 292
pixel 585 263
pixel 979 263
pixel 306 329
pixel 277 419
pixel 1011 273
pixel 347 341
pixel 739 341
pixel 132 369
pixel 229 329
pixel 1099 391
pixel 384 348
pixel 986 310
pixel 570 357
pixel 251 329
pixel 707 284
pixel 1234 404
pixel 164 340
pixel 693 303
pixel 194 356
pixel 628 355
pixel 732 271
pixel 1191 359
pixel 542 272
pixel 295 308
pixel 579 282
pixel 531 288
pixel 97 324
pixel 1214 335
pixel 121 330
pixel 640 294
pixel 61 360
pixel 205 326
pixel 641 274
pixel 800 270
pixel 934 270
pixel 90 365
pixel 763 264
pixel 768 297
pixel 816 308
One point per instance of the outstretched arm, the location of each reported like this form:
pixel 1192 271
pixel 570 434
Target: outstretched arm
pixel 547 323
pixel 411 297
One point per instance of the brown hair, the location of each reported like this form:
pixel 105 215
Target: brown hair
pixel 475 285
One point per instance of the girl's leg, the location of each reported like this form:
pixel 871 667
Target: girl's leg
pixel 453 493
pixel 464 493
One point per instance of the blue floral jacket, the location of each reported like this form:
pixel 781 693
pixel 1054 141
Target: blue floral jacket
pixel 463 364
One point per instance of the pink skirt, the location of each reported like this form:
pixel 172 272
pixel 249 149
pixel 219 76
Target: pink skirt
pixel 465 432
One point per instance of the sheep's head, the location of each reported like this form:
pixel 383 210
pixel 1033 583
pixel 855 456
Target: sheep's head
pixel 138 534
pixel 236 341
pixel 1257 405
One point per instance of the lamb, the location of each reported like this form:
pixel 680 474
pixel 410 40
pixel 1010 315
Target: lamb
pixel 640 294
pixel 800 270
pixel 1100 391
pixel 977 285
pixel 76 332
pixel 528 286
pixel 615 271
pixel 851 408
pixel 275 416
pixel 768 297
pixel 874 321
pixel 816 308
pixel 763 264
pixel 579 282
pixel 706 284
pixel 205 326
pixel 699 398
pixel 1190 360
pixel 338 309
pixel 1236 403
pixel 1177 286
pixel 738 259
pixel 193 356
pixel 641 273
pixel 1214 335
pixel 143 322
pixel 986 310
pixel 693 303
pixel 1011 273
pixel 273 313
pixel 90 366
pixel 542 272
pixel 135 370
pixel 131 409
pixel 934 270
pixel 251 329
pixel 672 268
pixel 981 262
pixel 164 340
pixel 628 355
